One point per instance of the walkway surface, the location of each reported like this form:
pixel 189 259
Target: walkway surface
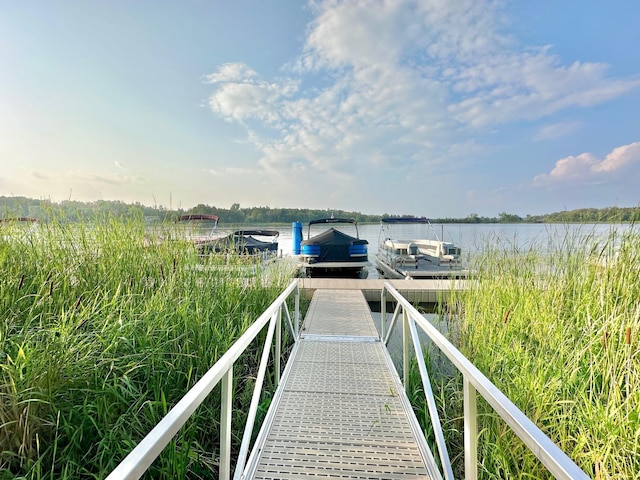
pixel 340 411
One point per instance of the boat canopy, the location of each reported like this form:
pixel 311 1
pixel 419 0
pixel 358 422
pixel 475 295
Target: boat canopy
pixel 263 233
pixel 199 216
pixel 402 220
pixel 241 241
pixel 333 220
pixel 335 246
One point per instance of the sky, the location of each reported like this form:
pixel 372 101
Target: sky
pixel 442 108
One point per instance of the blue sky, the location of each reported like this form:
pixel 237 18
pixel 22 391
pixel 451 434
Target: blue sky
pixel 425 107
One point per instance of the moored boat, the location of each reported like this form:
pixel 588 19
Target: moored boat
pixel 334 253
pixel 198 228
pixel 16 227
pixel 244 242
pixel 201 229
pixel 416 257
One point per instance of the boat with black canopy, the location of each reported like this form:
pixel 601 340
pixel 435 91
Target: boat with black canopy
pixel 334 253
pixel 202 230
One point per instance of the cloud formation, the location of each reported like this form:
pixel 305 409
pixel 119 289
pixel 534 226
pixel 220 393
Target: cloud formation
pixel 556 130
pixel 393 85
pixel 586 168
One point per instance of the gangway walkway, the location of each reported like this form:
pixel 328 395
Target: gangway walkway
pixel 340 411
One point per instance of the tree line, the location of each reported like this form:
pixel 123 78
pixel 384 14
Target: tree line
pixel 76 211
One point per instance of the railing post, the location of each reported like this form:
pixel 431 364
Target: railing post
pixel 383 313
pixel 226 410
pixel 470 430
pixel 255 400
pixel 405 347
pixel 296 327
pixel 278 352
pixel 445 461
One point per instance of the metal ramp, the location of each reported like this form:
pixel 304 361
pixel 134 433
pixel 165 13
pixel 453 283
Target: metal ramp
pixel 340 411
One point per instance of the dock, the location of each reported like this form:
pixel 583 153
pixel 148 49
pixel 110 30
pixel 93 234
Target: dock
pixel 416 291
pixel 340 410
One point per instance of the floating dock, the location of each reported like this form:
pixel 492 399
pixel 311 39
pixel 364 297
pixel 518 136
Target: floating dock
pixel 416 291
pixel 340 410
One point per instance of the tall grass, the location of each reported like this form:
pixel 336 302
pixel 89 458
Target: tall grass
pixel 102 330
pixel 556 328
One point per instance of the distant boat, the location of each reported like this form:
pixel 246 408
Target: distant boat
pixel 16 227
pixel 199 228
pixel 202 231
pixel 334 253
pixel 244 242
pixel 416 258
pixel 19 220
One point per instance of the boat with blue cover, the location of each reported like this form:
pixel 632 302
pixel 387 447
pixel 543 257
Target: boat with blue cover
pixel 334 253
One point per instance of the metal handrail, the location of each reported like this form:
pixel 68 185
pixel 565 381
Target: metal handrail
pixel 140 458
pixel 474 381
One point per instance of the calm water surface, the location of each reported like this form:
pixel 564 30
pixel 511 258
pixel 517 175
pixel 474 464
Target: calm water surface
pixel 471 238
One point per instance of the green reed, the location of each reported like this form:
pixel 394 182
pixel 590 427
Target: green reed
pixel 103 328
pixel 556 327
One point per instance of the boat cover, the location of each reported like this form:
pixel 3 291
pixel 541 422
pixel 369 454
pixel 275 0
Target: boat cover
pixel 403 220
pixel 239 243
pixel 334 246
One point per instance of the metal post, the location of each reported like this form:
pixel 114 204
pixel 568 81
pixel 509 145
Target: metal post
pixel 255 399
pixel 383 313
pixel 226 410
pixel 405 348
pixel 431 403
pixel 296 319
pixel 470 431
pixel 278 352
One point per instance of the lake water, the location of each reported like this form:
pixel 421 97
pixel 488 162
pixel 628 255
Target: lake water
pixel 471 238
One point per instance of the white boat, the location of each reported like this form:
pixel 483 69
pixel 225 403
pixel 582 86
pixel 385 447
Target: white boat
pixel 416 258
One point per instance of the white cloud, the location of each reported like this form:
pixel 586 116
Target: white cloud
pixel 556 130
pixel 586 168
pixel 231 72
pixel 620 158
pixel 233 171
pixel 39 175
pixel 99 178
pixel 390 85
pixel 242 95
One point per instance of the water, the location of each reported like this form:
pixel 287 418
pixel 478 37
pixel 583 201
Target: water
pixel 471 238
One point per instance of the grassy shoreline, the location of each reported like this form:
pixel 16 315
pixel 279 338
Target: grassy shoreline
pixel 558 333
pixel 102 332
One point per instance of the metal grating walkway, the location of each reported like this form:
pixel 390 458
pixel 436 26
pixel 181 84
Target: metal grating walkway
pixel 340 411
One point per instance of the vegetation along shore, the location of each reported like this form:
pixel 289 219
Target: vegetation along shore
pixel 75 211
pixel 101 332
pixel 558 333
pixel 104 328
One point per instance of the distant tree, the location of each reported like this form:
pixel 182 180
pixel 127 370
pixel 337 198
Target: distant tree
pixel 508 218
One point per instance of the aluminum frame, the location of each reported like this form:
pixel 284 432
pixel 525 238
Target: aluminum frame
pixel 474 382
pixel 141 457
